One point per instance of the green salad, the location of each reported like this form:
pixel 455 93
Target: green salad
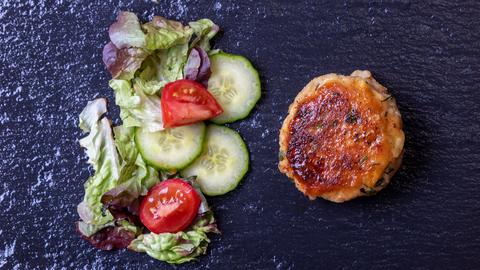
pixel 152 171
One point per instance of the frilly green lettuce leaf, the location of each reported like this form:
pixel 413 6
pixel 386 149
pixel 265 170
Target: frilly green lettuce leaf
pixel 180 247
pixel 124 95
pixel 148 175
pixel 117 181
pixel 134 168
pixel 204 30
pixel 137 109
pixel 136 177
pixel 164 34
pixel 92 112
pixel 87 229
pixel 126 31
pixel 103 156
pixel 150 87
pixel 162 67
pixel 125 143
pixel 172 62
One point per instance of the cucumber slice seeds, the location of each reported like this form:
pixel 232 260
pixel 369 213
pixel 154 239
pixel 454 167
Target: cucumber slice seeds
pixel 235 84
pixel 173 148
pixel 223 163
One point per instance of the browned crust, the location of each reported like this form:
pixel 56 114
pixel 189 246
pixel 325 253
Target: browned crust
pixel 342 137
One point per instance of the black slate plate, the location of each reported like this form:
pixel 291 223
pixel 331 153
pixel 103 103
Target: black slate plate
pixel 426 53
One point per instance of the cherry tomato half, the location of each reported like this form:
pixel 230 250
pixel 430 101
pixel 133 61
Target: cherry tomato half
pixel 186 102
pixel 169 206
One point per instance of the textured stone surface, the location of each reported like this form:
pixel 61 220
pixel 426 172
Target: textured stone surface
pixel 427 54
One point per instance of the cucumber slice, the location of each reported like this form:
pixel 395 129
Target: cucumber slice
pixel 223 162
pixel 173 148
pixel 235 84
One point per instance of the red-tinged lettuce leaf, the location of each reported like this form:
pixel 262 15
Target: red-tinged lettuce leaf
pixel 126 32
pixel 197 67
pixel 129 213
pixel 193 65
pixel 122 63
pixel 162 22
pixel 119 197
pixel 131 186
pixel 109 56
pixel 123 202
pixel 204 72
pixel 110 237
pixel 206 223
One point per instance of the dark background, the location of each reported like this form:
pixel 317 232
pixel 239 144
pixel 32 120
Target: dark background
pixel 426 53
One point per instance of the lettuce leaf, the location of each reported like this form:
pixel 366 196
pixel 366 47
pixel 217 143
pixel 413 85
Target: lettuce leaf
pixel 164 34
pixel 180 247
pixel 125 142
pixel 172 62
pixel 137 109
pixel 123 63
pixel 126 51
pixel 161 68
pixel 136 178
pixel 126 31
pixel 109 236
pixel 103 156
pixel 91 113
pixel 193 65
pixel 204 30
pixel 87 229
pixel 122 180
pixel 197 67
pixel 150 87
pixel 112 194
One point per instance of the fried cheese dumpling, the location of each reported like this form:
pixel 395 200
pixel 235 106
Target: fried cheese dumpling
pixel 342 137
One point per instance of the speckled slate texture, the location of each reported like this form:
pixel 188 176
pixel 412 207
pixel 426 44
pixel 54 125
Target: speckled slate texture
pixel 427 54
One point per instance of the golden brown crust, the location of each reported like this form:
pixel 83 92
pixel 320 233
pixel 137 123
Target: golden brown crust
pixel 342 137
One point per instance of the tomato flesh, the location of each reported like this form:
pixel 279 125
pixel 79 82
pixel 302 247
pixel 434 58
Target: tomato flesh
pixel 186 102
pixel 169 206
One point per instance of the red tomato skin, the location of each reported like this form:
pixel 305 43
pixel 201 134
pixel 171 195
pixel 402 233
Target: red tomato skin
pixel 180 210
pixel 186 102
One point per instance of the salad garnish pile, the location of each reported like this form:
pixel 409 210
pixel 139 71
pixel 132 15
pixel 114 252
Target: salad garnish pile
pixel 150 172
